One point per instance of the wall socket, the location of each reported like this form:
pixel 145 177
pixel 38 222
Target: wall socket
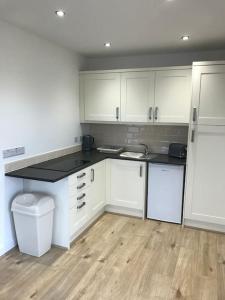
pixel 13 152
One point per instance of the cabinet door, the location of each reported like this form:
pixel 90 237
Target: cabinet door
pixel 205 176
pixel 100 96
pixel 172 96
pixel 209 94
pixel 97 189
pixel 137 96
pixel 127 183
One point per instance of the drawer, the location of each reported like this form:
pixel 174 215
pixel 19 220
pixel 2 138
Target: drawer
pixel 75 190
pixel 79 178
pixel 76 198
pixel 78 216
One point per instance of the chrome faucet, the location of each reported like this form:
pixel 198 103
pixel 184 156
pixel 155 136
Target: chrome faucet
pixel 147 149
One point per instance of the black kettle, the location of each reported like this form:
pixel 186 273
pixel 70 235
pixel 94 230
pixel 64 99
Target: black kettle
pixel 87 142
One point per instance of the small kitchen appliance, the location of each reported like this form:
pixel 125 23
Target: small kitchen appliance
pixel 178 150
pixel 87 142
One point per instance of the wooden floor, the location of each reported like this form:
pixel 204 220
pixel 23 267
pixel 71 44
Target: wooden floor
pixel 122 258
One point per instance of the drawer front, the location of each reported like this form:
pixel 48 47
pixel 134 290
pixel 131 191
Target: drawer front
pixel 77 198
pixel 79 178
pixel 78 216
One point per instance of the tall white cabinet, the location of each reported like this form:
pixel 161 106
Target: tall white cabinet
pixel 205 188
pixel 208 94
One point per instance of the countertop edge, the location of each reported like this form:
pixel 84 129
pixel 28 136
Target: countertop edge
pixel 159 159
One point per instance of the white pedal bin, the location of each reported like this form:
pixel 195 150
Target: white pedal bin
pixel 33 218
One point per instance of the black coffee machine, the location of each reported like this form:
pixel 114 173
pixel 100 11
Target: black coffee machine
pixel 87 142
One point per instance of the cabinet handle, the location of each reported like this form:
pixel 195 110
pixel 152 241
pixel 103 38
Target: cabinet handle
pixel 81 176
pixel 194 116
pixel 117 113
pixel 92 175
pixel 192 135
pixel 80 206
pixel 141 170
pixel 150 113
pixel 156 113
pixel 81 186
pixel 81 197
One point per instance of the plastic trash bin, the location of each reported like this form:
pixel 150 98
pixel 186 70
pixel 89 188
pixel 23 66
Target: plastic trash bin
pixel 33 218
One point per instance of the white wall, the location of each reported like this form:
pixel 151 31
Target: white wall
pixel 38 105
pixel 151 60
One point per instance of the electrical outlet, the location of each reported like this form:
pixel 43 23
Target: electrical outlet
pixel 76 139
pixel 13 152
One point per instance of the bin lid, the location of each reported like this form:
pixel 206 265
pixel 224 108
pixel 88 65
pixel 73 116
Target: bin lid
pixel 35 204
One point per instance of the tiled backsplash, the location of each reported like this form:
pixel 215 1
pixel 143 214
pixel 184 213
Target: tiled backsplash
pixel 156 137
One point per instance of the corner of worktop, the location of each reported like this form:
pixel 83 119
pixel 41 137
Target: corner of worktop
pixel 36 159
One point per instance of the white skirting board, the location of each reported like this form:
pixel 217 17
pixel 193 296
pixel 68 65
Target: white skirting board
pixel 204 225
pixel 124 211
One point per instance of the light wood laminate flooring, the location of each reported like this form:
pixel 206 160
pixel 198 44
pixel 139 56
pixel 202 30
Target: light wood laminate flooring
pixel 122 258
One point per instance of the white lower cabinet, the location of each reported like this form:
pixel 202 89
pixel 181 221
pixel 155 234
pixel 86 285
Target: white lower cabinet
pixel 205 184
pixel 89 196
pixel 112 185
pixel 126 186
pixel 97 191
pixel 79 200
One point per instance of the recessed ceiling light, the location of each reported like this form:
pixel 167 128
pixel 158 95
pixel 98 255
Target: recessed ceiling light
pixel 107 44
pixel 60 13
pixel 185 37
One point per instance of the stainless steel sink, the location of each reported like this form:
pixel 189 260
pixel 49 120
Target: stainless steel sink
pixel 136 155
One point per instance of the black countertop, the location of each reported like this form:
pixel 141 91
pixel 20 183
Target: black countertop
pixel 36 172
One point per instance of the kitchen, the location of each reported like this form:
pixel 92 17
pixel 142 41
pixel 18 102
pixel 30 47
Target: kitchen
pixel 108 206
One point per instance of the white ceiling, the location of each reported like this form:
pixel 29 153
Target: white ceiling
pixel 132 26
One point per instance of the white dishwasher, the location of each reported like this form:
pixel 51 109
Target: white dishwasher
pixel 165 192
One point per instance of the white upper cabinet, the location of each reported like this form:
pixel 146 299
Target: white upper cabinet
pixel 137 96
pixel 144 96
pixel 205 188
pixel 100 97
pixel 172 96
pixel 208 94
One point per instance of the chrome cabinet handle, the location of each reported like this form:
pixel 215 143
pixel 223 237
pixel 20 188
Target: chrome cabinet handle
pixel 150 113
pixel 141 170
pixel 194 116
pixel 156 113
pixel 81 176
pixel 80 206
pixel 81 186
pixel 117 113
pixel 92 175
pixel 81 197
pixel 192 135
